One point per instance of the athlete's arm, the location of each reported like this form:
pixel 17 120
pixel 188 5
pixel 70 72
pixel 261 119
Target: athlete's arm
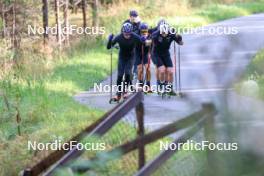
pixel 112 41
pixel 138 39
pixel 178 39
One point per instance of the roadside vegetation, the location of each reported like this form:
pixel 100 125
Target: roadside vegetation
pixel 252 84
pixel 37 83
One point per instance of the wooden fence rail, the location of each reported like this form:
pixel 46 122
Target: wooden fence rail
pixel 192 123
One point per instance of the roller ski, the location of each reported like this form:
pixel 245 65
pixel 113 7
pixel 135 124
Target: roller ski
pixel 118 98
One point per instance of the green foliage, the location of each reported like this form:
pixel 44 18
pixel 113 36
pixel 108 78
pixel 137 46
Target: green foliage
pixel 252 7
pixel 46 104
pixel 221 12
pixel 257 64
pixel 255 71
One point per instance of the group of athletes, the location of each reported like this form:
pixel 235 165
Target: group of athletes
pixel 138 44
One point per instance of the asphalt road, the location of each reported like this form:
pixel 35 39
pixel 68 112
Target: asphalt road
pixel 210 65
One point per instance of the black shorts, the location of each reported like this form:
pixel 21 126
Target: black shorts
pixel 162 60
pixel 125 65
pixel 139 59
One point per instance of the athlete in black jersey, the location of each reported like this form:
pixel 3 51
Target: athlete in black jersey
pixel 151 31
pixel 134 20
pixel 127 42
pixel 162 40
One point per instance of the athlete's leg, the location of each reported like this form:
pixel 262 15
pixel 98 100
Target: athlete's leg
pixel 120 73
pixel 148 74
pixel 162 74
pixel 134 67
pixel 154 60
pixel 128 69
pixel 140 74
pixel 161 69
pixel 139 69
pixel 169 74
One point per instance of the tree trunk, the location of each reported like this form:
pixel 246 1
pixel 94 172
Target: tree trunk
pixel 66 21
pixel 3 20
pixel 45 20
pixel 95 12
pixel 84 13
pixel 57 11
pixel 14 30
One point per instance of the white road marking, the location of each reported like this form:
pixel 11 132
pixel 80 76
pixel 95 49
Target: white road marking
pixel 208 54
pixel 91 94
pixel 207 90
pixel 248 123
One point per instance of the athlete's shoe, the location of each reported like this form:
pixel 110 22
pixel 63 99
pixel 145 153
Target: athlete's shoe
pixel 160 88
pixel 148 90
pixel 115 99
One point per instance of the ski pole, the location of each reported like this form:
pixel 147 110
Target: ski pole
pixel 175 70
pixel 111 74
pixel 179 60
pixel 142 62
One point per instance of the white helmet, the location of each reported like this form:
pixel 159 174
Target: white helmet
pixel 164 28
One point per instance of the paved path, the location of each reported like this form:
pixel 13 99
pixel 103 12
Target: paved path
pixel 210 66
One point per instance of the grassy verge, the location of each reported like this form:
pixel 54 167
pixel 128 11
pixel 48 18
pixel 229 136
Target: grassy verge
pixel 252 83
pixel 45 103
pixel 41 89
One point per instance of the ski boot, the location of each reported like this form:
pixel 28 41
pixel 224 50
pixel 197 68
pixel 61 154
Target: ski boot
pixel 115 99
pixel 162 90
pixel 148 90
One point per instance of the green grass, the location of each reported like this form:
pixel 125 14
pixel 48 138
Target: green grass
pixel 215 12
pixel 46 105
pixel 221 12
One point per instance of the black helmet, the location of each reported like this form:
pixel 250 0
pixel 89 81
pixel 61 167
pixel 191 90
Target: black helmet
pixel 133 13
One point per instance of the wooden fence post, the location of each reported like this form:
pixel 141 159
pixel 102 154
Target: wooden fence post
pixel 140 132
